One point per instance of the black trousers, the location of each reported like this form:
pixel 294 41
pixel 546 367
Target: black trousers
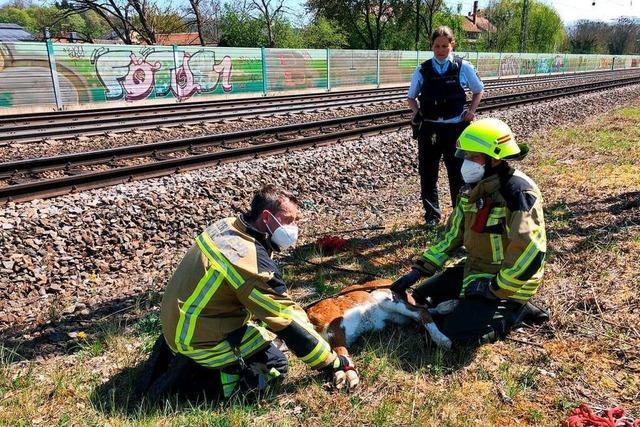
pixel 474 320
pixel 436 141
pixel 262 368
pixel 165 373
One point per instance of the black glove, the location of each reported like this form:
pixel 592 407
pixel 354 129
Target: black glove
pixel 481 288
pixel 340 363
pixel 406 281
pixel 416 124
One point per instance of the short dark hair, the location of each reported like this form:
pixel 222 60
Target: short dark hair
pixel 443 31
pixel 269 197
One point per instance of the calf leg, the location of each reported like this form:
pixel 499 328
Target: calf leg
pixel 338 343
pixel 419 314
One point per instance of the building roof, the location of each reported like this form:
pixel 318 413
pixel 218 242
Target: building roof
pixel 14 33
pixel 179 39
pixel 482 25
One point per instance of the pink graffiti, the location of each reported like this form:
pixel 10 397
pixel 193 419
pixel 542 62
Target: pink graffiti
pixel 140 78
pixel 223 68
pixel 182 81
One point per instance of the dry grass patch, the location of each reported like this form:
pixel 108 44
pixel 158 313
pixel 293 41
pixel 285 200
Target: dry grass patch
pixel 589 351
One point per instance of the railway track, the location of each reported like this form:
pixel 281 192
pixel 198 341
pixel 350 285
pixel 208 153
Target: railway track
pixel 51 176
pixel 69 124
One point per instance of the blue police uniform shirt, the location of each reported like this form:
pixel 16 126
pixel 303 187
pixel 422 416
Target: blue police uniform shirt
pixel 468 79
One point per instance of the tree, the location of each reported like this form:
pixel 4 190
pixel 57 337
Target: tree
pixel 366 20
pixel 588 36
pixel 544 29
pixel 238 28
pixel 17 16
pixel 270 11
pixel 428 14
pixel 321 33
pixel 623 38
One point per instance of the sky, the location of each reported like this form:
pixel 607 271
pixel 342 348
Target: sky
pixel 573 10
pixel 569 10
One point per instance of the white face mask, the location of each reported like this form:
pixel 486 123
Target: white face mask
pixel 471 171
pixel 285 236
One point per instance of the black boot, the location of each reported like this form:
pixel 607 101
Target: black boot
pixel 154 367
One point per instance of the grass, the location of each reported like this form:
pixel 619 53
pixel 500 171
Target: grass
pixel 588 352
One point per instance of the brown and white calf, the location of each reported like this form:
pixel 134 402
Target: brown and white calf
pixel 368 307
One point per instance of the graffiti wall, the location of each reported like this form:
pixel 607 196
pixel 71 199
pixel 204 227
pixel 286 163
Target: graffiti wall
pixel 99 74
pixel 289 69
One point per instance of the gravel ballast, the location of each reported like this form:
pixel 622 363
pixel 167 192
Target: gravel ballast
pixel 75 254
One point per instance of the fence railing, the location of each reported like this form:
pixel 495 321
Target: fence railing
pixel 59 75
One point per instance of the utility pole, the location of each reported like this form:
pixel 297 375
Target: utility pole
pixel 523 24
pixel 418 23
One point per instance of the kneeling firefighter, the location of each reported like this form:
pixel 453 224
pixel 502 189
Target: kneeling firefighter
pixel 498 219
pixel 227 300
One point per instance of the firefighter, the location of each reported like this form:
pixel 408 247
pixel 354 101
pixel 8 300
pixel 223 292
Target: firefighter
pixel 498 219
pixel 227 300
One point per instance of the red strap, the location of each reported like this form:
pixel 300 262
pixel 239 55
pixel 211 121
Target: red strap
pixel 482 216
pixel 350 368
pixel 583 416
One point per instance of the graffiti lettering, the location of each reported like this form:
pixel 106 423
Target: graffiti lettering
pixel 509 66
pixel 182 84
pixel 148 73
pixel 75 51
pixel 139 80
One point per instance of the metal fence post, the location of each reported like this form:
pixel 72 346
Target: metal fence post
pixel 499 63
pixel 54 75
pixel 175 66
pixel 263 53
pixel 377 67
pixel 328 70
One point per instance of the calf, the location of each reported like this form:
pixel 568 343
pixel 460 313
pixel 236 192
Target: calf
pixel 341 319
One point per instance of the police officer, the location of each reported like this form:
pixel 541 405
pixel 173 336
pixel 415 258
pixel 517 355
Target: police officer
pixel 437 97
pixel 227 300
pixel 498 219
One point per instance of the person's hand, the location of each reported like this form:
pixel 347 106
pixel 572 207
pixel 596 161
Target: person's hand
pixel 417 118
pixel 404 282
pixel 469 116
pixel 344 373
pixel 480 288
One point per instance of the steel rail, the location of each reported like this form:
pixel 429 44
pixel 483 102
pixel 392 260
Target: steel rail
pixel 58 186
pixel 500 82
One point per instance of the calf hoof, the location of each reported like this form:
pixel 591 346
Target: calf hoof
pixel 353 379
pixel 444 307
pixel 339 379
pixel 438 337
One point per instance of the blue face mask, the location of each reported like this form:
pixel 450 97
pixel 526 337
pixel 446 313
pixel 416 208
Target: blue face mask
pixel 444 61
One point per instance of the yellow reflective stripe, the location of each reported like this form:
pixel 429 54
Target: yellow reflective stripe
pixel 229 383
pixel 496 248
pixel 252 344
pixel 318 355
pixel 504 285
pixel 268 304
pixel 217 258
pixel 436 253
pixel 498 212
pixel 470 278
pixel 522 262
pixel 190 310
